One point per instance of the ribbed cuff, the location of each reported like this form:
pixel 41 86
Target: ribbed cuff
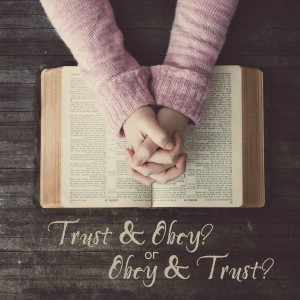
pixel 123 95
pixel 183 90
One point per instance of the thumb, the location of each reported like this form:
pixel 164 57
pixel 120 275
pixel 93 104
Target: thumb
pixel 159 135
pixel 156 137
pixel 144 151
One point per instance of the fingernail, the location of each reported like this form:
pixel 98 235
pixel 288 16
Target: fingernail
pixel 170 145
pixel 137 161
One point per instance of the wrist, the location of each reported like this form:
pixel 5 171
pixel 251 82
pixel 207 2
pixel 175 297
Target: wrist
pixel 142 113
pixel 173 121
pixel 183 90
pixel 177 116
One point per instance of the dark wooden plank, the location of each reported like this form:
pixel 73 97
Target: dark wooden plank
pixel 18 76
pixel 155 41
pixel 284 126
pixel 286 209
pixel 257 238
pixel 19 104
pixel 24 21
pixel 240 42
pixel 77 259
pixel 28 35
pixel 265 7
pixel 128 289
pixel 168 7
pixel 21 8
pixel 83 267
pixel 240 21
pixel 284 103
pixel 33 222
pixel 32 49
pixel 262 42
pixel 17 133
pixel 155 21
pixel 272 212
pixel 17 189
pixel 286 82
pixel 290 204
pixel 264 21
pixel 284 90
pixel 262 62
pixel 285 154
pixel 16 203
pixel 17 118
pixel 17 147
pixel 21 175
pixel 156 7
pixel 285 182
pixel 148 0
pixel 285 76
pixel 17 161
pixel 17 91
pixel 32 62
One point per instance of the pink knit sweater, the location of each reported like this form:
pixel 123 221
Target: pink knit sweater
pixel 183 81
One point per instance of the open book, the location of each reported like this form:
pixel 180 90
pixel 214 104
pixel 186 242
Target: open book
pixel 83 165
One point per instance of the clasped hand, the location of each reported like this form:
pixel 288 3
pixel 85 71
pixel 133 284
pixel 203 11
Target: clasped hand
pixel 155 144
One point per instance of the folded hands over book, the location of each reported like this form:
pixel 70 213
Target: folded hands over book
pixel 82 165
pixel 155 144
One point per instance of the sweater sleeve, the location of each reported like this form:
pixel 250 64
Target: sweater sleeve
pixel 89 30
pixel 182 82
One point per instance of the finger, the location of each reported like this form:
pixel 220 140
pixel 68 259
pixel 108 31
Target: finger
pixel 147 168
pixel 135 174
pixel 168 157
pixel 158 135
pixel 129 146
pixel 134 144
pixel 144 151
pixel 151 168
pixel 173 172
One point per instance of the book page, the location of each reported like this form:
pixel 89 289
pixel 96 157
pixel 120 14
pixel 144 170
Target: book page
pixel 214 168
pixel 93 166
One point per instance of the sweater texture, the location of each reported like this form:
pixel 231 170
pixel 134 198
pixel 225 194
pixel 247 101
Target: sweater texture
pixel 182 82
pixel 198 34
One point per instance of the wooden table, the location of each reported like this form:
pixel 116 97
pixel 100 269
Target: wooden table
pixel 264 34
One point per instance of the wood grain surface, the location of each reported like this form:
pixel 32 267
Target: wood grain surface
pixel 33 265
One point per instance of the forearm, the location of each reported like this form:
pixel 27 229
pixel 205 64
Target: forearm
pixel 197 36
pixel 89 30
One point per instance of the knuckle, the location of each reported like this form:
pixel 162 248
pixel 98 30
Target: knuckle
pixel 172 159
pixel 149 146
pixel 148 183
pixel 169 161
pixel 163 139
pixel 130 171
pixel 143 152
pixel 144 172
pixel 151 172
pixel 180 148
pixel 162 180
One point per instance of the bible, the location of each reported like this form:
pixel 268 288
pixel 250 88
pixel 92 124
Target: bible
pixel 83 165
